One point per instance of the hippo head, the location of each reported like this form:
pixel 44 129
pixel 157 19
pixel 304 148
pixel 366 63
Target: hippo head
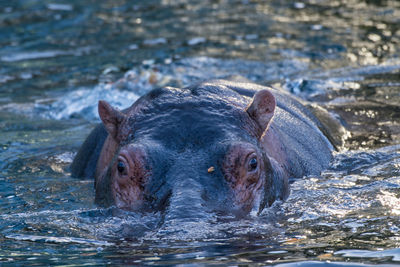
pixel 189 149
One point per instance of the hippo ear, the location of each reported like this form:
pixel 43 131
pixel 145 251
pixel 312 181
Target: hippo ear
pixel 111 118
pixel 262 108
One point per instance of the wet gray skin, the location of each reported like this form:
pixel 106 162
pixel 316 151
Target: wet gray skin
pixel 200 149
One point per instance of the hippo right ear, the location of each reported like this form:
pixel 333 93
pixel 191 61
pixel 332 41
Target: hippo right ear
pixel 262 108
pixel 111 118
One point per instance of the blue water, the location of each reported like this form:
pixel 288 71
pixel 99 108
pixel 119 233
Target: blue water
pixel 58 58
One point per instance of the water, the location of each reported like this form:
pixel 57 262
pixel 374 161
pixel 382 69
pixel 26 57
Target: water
pixel 58 58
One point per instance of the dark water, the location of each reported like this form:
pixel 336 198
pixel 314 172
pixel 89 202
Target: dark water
pixel 57 58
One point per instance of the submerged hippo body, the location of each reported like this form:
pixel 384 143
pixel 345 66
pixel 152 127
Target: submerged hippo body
pixel 219 145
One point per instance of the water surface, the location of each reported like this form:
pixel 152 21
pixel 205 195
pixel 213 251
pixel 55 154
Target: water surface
pixel 57 58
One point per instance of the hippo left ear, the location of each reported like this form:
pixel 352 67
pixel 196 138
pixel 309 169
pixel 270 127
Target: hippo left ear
pixel 262 108
pixel 111 118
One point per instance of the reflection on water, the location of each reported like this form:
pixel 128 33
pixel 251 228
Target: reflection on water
pixel 57 59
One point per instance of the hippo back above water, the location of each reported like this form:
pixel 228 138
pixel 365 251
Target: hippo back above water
pixel 219 146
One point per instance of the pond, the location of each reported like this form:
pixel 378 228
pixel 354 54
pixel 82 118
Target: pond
pixel 58 58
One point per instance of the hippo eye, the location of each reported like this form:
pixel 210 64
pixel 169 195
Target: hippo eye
pixel 252 165
pixel 121 167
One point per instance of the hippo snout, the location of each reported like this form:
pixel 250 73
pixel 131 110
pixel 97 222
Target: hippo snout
pixel 186 200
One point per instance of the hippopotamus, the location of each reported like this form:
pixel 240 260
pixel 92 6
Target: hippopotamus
pixel 225 146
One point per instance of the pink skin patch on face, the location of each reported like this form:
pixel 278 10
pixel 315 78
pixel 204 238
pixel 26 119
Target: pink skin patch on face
pixel 243 169
pixel 130 174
